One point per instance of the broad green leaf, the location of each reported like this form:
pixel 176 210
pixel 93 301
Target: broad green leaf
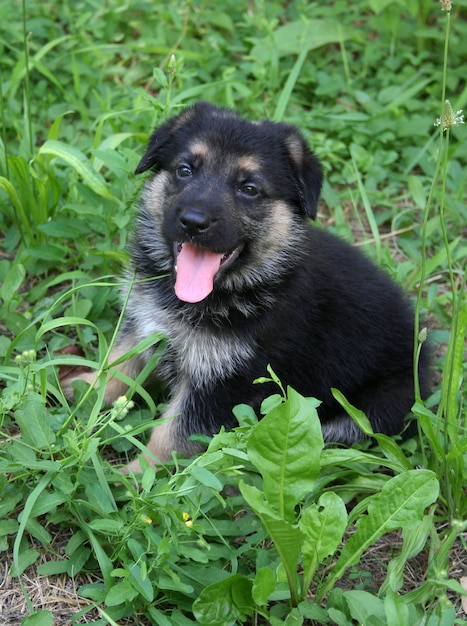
pixel 12 282
pixel 106 526
pixel 140 582
pixel 241 594
pixel 24 559
pixel 23 455
pixel 288 539
pixel 338 617
pixel 294 618
pixel 224 603
pixel 93 591
pixel 8 527
pixel 41 618
pixel 113 141
pixel 206 478
pixel 99 495
pixel 400 504
pixel 75 542
pixel 195 554
pixel 113 161
pixel 160 76
pixel 137 549
pixel 121 593
pixel 109 145
pixel 37 530
pixel 64 228
pixel 396 608
pixel 78 560
pixel 245 415
pixel 323 525
pixel 148 478
pixel 5 343
pixel 364 605
pixel 33 421
pixel 47 503
pixel 48 252
pixel 286 446
pixel 294 36
pixel 160 619
pixel 52 568
pixel 80 163
pixel 313 611
pixel 172 581
pixel 263 586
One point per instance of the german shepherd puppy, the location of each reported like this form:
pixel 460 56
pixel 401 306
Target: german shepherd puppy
pixel 230 269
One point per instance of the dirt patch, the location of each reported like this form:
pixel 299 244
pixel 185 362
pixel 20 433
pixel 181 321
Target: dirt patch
pixel 58 594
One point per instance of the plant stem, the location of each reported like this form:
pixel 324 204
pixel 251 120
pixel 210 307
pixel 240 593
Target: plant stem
pixel 27 99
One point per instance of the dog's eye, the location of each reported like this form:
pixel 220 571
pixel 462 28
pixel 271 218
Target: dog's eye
pixel 183 170
pixel 249 190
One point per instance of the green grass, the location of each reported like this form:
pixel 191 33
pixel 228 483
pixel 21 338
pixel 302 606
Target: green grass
pixel 215 540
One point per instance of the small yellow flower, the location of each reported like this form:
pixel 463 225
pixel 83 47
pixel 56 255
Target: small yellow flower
pixel 187 520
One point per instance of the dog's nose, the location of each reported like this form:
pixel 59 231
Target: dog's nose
pixel 195 221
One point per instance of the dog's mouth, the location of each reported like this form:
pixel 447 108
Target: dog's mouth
pixel 196 269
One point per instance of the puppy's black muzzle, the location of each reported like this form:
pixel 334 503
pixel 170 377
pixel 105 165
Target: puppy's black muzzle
pixel 205 220
pixel 195 221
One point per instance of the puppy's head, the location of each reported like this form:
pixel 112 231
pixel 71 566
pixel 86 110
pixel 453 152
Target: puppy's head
pixel 235 196
pixel 281 145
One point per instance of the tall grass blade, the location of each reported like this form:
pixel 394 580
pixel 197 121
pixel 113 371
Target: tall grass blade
pixel 80 163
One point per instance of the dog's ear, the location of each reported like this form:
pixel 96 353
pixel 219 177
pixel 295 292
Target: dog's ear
pixel 161 139
pixel 158 140
pixel 163 136
pixel 306 170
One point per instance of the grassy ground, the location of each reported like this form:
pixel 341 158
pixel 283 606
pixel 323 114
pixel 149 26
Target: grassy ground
pixel 375 536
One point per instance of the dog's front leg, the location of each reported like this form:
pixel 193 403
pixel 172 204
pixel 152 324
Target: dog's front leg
pixel 180 420
pixel 162 442
pixel 114 386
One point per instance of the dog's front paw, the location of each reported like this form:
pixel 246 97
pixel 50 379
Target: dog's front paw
pixel 67 374
pixel 134 467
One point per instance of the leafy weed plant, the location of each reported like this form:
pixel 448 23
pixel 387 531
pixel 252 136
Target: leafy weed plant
pixel 267 526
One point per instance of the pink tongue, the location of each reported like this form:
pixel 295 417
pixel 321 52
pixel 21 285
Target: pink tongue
pixel 196 269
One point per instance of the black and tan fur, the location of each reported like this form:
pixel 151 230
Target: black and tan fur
pixel 291 295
